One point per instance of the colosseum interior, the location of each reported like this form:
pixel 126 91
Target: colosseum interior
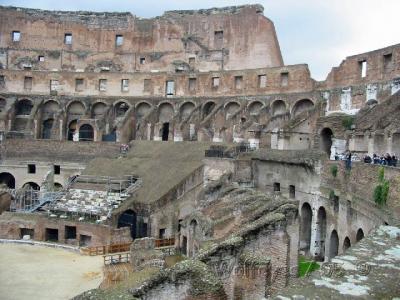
pixel 184 153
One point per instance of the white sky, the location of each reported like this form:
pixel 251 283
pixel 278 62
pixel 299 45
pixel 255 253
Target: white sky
pixel 320 33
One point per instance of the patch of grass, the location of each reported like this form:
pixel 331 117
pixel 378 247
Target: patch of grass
pixel 334 170
pixel 307 266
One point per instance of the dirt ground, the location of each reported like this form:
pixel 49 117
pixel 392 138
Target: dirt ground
pixel 35 272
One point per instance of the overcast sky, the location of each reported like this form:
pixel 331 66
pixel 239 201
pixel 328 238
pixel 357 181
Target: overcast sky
pixel 320 33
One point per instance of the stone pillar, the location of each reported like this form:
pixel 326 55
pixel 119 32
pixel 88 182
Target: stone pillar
pixel 178 135
pixel 35 129
pixel 389 143
pixel 148 131
pixel 371 149
pixel 192 131
pixel 157 136
pixel 9 125
pixel 61 130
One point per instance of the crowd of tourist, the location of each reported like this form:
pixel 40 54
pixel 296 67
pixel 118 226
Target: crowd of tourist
pixel 385 160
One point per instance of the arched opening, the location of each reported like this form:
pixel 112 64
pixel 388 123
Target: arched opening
pixel 86 133
pixel 186 110
pixel 128 219
pixel 75 110
pixel 31 186
pixel 50 107
pixel 334 244
pixel 58 186
pixel 165 113
pixel 192 237
pixel 305 227
pixel 142 109
pixel 71 130
pixel 326 140
pixel 255 107
pixel 3 104
pixel 165 131
pixel 23 107
pixel 46 129
pixel 208 108
pixel 360 235
pixel 278 108
pixel 121 108
pixel 231 108
pixel 346 244
pixel 302 106
pixel 99 110
pixel 321 234
pixel 8 180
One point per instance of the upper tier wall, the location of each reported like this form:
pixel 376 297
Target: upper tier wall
pixel 230 39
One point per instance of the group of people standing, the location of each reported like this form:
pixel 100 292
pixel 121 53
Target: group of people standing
pixel 385 160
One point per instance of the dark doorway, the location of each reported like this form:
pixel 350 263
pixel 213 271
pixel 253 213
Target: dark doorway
pixel 8 180
pixel 86 133
pixel 321 233
pixel 31 186
pixel 128 219
pixel 360 235
pixel 23 107
pixel 84 240
pixel 292 191
pixel 165 131
pixel 334 245
pixel 346 244
pixel 305 227
pixel 27 231
pixel 46 131
pixel 326 140
pixel 184 245
pixel 70 232
pixel 51 235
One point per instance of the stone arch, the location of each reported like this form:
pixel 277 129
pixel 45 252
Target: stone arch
pixel 71 130
pixel 86 133
pixel 231 108
pixel 359 235
pixel 346 244
pixel 142 109
pixel 128 219
pixel 305 227
pixel 76 109
pixel 333 244
pixel 208 107
pixel 8 179
pixel 165 112
pixel 47 127
pixel 98 110
pixel 326 140
pixel 3 103
pixel 31 185
pixel 255 107
pixel 186 109
pixel 23 107
pixel 50 107
pixel 302 106
pixel 278 107
pixel 120 108
pixel 321 233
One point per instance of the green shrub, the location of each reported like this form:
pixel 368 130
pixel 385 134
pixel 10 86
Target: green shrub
pixel 334 170
pixel 381 191
pixel 347 122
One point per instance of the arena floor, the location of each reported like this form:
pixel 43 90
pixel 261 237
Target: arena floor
pixel 37 272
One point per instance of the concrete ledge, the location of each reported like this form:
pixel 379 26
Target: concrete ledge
pixel 43 244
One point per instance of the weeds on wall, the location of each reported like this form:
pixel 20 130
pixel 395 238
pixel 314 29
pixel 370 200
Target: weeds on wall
pixel 381 191
pixel 334 170
pixel 348 122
